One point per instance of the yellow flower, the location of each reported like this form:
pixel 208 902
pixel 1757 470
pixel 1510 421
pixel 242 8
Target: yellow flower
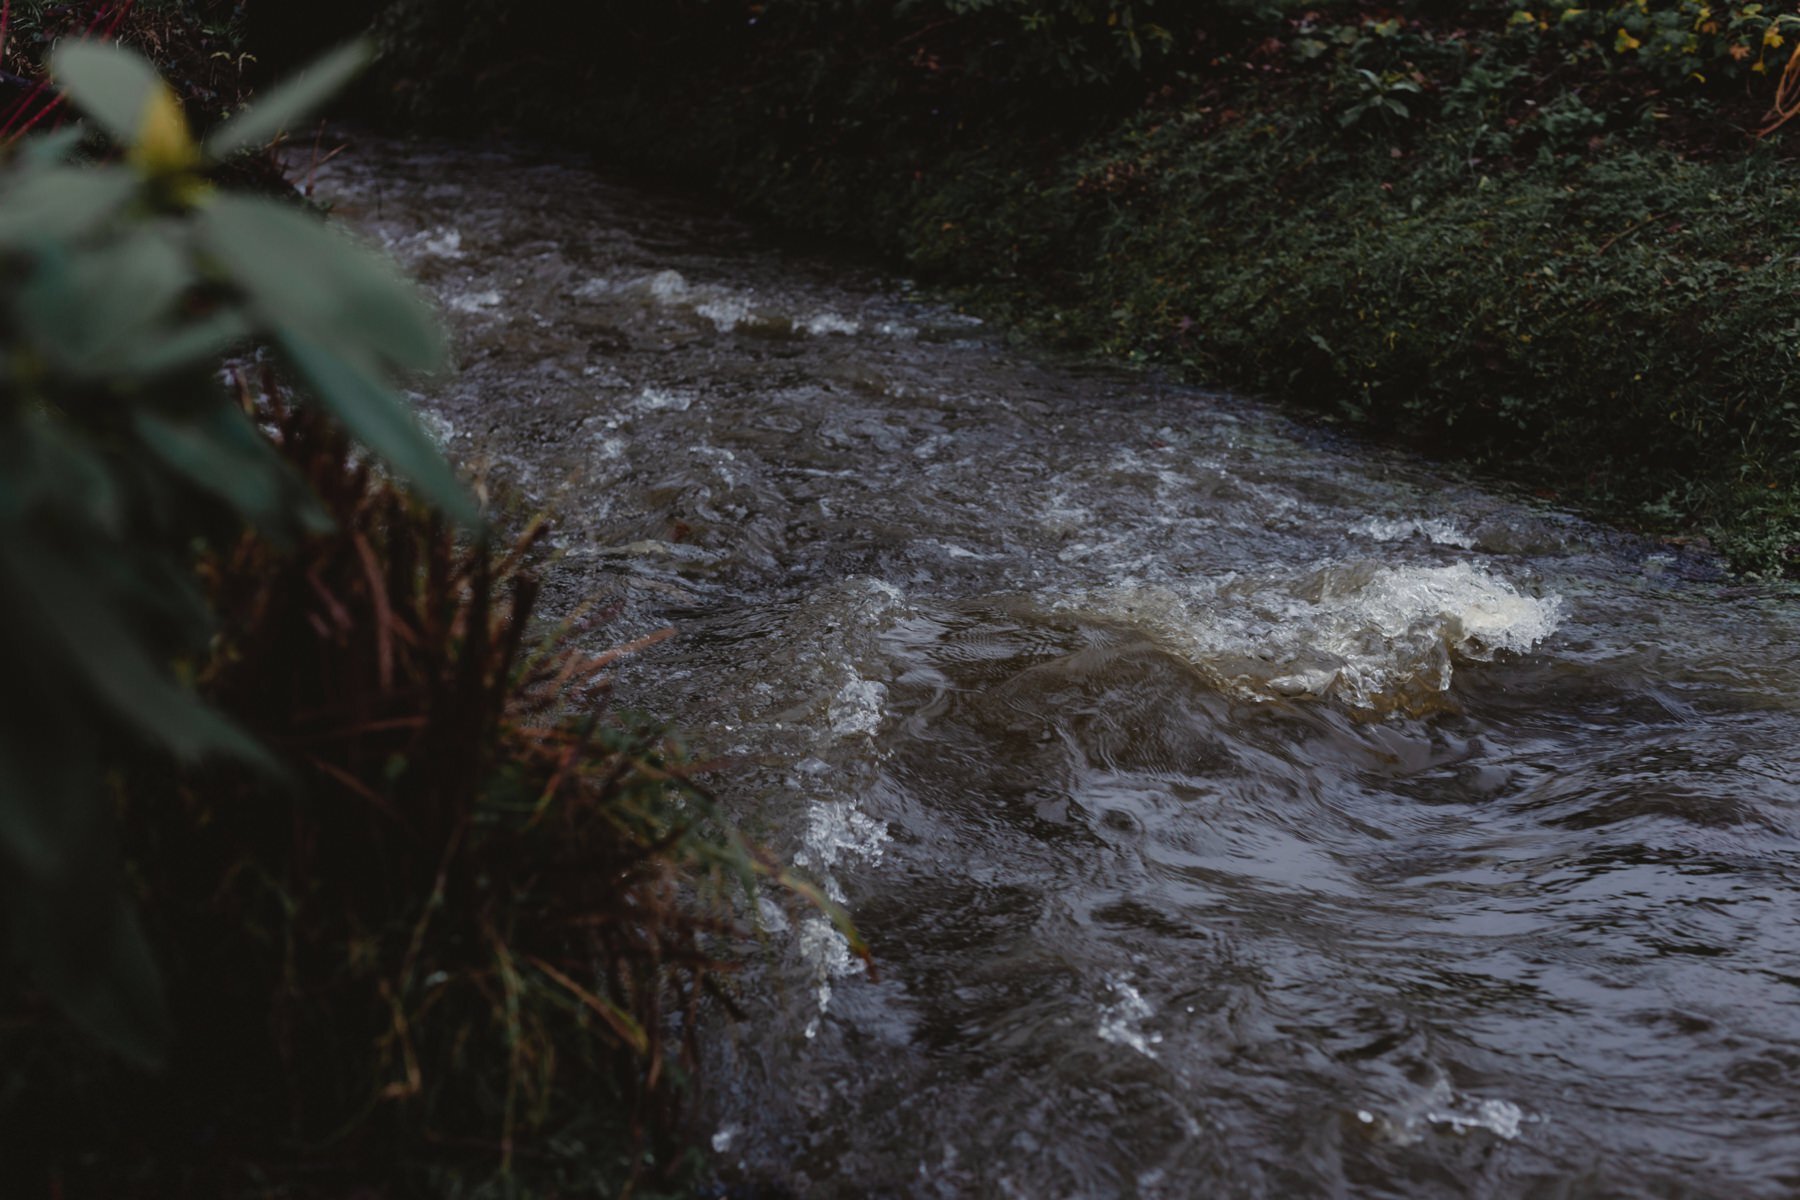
pixel 1625 42
pixel 164 146
pixel 165 151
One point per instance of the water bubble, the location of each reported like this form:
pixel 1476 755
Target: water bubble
pixel 857 707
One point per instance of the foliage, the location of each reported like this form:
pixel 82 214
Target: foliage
pixel 1080 41
pixel 1609 324
pixel 196 44
pixel 470 943
pixel 1675 42
pixel 1538 238
pixel 122 283
pixel 429 915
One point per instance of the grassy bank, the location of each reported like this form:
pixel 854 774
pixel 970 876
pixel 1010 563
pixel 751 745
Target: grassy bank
pixel 1543 240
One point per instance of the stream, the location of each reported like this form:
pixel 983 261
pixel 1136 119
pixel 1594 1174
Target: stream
pixel 1233 808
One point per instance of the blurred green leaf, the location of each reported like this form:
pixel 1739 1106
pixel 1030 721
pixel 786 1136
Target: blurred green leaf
pixel 48 149
pixel 281 106
pixel 85 948
pixel 221 452
pixel 45 798
pixel 85 307
pixel 62 203
pixel 305 276
pixel 96 641
pixel 60 482
pixel 196 342
pixel 380 419
pixel 109 83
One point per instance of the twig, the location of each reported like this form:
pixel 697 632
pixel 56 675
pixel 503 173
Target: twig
pixel 1652 219
pixel 1787 97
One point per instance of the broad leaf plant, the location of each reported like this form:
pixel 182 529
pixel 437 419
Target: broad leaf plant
pixel 125 280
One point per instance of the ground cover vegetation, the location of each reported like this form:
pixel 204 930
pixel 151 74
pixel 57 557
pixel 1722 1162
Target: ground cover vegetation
pixel 1552 238
pixel 322 867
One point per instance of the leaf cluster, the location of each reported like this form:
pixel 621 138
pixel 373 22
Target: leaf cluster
pixel 467 949
pixel 123 281
pixel 1675 43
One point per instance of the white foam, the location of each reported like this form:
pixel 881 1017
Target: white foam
pixel 1372 637
pixel 1122 1021
pixel 437 427
pixel 1466 1113
pixel 1440 530
pixel 828 951
pixel 653 399
pixel 725 308
pixel 726 312
pixel 857 707
pixel 1443 1107
pixel 822 324
pixel 667 287
pixel 837 830
pixel 475 302
pixel 441 242
pixel 1480 615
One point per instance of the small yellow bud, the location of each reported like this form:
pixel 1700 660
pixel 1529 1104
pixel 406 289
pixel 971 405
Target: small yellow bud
pixel 164 146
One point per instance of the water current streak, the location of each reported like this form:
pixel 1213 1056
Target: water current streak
pixel 1234 810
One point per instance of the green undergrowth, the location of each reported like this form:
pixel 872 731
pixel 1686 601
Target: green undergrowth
pixel 326 868
pixel 1541 239
pixel 1621 329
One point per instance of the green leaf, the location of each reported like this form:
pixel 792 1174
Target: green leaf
pixel 221 452
pixel 62 203
pixel 301 274
pixel 85 308
pixel 380 420
pixel 109 83
pixel 48 149
pixel 54 478
pixel 293 99
pixel 46 799
pixel 90 634
pixel 84 947
pixel 197 342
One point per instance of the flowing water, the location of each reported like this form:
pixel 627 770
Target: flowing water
pixel 1233 810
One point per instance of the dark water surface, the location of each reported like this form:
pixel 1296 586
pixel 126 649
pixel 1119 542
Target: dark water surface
pixel 1233 811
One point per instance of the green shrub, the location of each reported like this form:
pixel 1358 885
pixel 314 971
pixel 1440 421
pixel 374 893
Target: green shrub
pixel 420 925
pixel 1674 42
pixel 464 955
pixel 122 283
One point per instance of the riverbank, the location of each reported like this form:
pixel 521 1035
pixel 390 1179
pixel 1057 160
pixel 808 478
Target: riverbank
pixel 1509 240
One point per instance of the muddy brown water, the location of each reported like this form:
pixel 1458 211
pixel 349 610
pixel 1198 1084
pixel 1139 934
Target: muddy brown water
pixel 1234 810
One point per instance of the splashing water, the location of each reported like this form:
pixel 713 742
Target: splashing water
pixel 1232 811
